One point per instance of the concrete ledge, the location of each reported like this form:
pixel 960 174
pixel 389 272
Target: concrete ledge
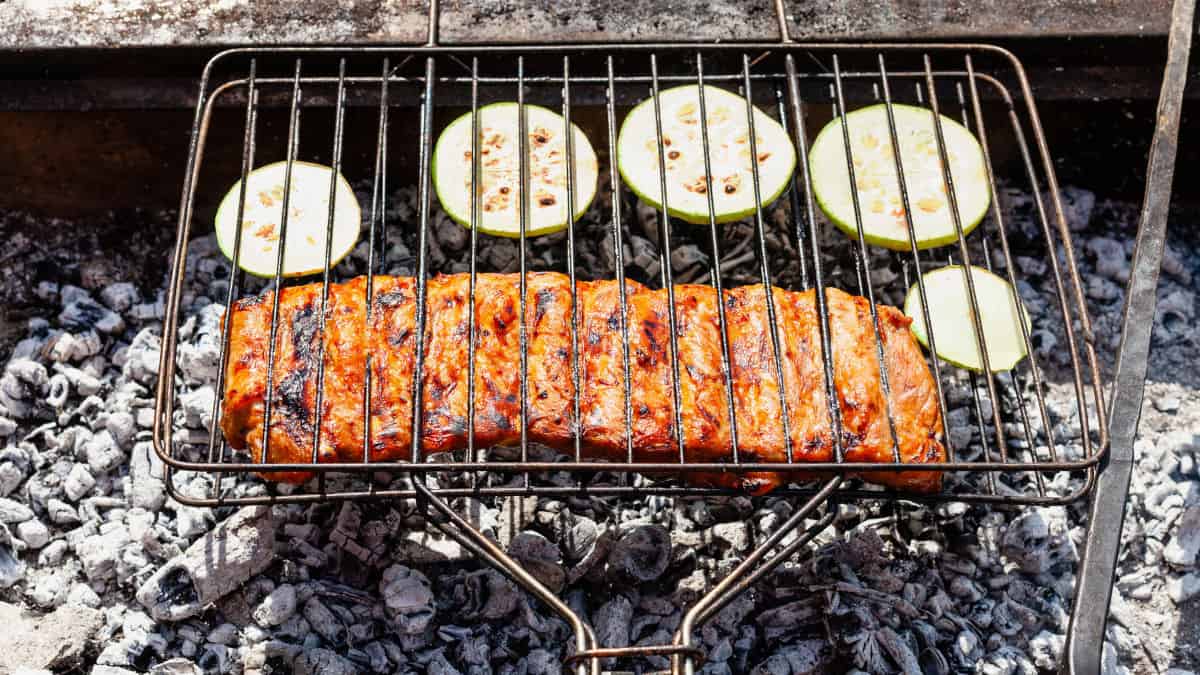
pixel 49 24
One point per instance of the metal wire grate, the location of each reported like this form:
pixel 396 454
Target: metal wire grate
pixel 593 85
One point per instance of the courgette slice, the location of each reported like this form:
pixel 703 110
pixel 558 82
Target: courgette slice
pixel 683 152
pixel 1000 314
pixel 307 222
pixel 878 186
pixel 499 188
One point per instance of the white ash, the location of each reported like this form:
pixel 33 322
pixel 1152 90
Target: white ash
pixel 85 521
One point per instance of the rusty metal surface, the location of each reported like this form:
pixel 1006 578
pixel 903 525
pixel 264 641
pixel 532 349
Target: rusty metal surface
pixel 50 24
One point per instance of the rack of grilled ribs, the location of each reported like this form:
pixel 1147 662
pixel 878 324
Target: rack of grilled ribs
pixel 388 334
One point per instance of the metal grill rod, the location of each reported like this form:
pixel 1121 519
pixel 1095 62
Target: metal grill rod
pixel 619 256
pixel 722 324
pixel 234 273
pixel 576 414
pixel 861 258
pixel 423 208
pixel 795 214
pixel 664 236
pixel 292 148
pixel 548 80
pixel 522 283
pixel 366 493
pixel 1010 268
pixel 972 296
pixel 1031 354
pixel 476 191
pixel 764 267
pixel 378 212
pixel 902 184
pixel 500 466
pixel 338 130
pixel 822 302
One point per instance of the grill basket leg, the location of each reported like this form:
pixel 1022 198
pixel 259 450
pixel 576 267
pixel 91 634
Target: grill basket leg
pixel 586 660
pixel 1085 636
pixel 473 540
pixel 748 572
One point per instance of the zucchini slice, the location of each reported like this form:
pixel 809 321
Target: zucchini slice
pixel 307 223
pixel 683 152
pixel 499 189
pixel 1000 314
pixel 878 186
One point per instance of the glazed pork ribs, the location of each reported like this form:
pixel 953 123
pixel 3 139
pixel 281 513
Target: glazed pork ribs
pixel 385 338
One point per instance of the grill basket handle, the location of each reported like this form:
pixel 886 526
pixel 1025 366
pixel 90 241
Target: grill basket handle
pixel 1085 636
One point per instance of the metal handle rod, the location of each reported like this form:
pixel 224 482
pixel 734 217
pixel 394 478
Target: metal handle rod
pixel 747 573
pixel 472 539
pixel 1086 632
pixel 781 15
pixel 431 33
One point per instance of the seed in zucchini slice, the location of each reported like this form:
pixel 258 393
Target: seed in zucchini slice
pixel 500 192
pixel 307 222
pixel 878 186
pixel 683 154
pixel 1000 314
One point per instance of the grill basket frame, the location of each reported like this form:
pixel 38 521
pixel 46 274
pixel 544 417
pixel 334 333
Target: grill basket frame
pixel 325 71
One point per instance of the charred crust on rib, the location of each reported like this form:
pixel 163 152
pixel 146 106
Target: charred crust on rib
pixel 544 302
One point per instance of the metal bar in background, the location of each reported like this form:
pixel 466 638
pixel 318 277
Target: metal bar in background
pixel 782 19
pixel 431 32
pixel 1085 635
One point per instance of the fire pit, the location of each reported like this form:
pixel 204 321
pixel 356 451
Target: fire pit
pixel 677 568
